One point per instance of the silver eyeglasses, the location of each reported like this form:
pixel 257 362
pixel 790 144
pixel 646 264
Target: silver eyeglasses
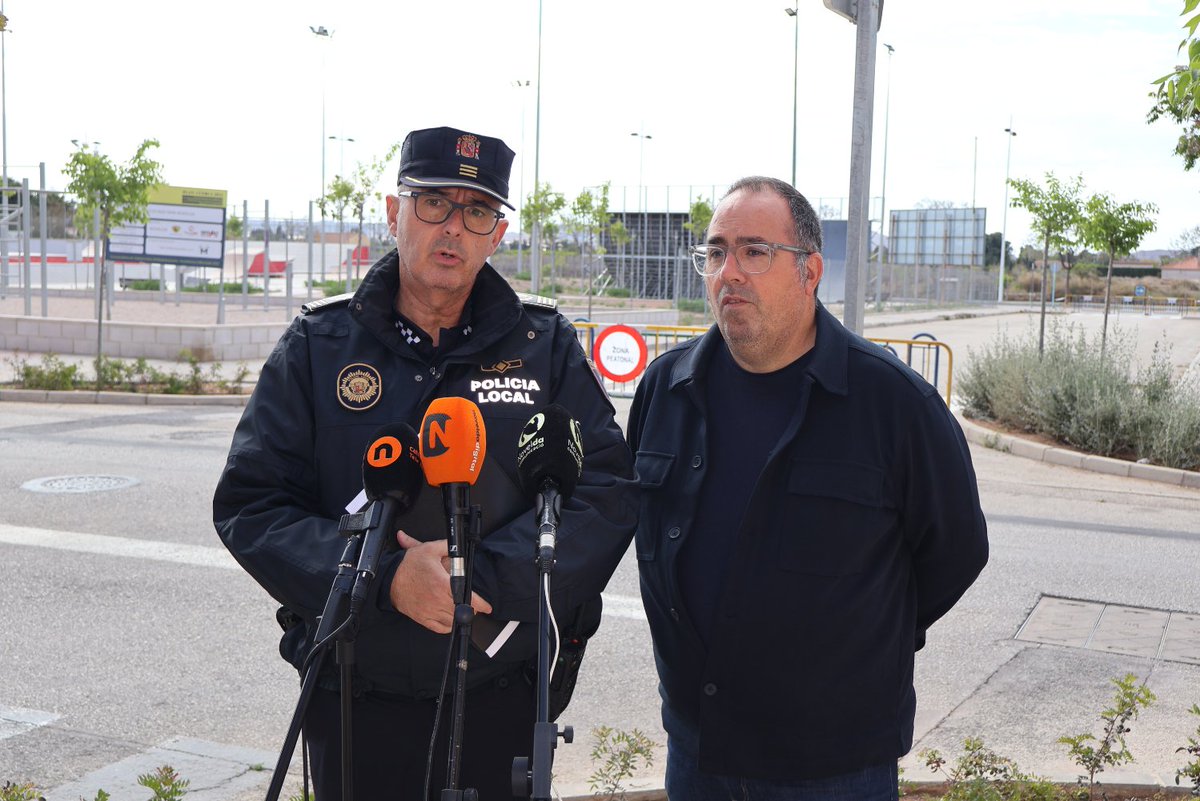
pixel 754 257
pixel 436 209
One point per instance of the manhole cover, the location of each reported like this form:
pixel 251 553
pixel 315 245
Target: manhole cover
pixel 1095 626
pixel 67 484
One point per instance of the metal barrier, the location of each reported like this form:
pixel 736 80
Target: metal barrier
pixel 922 353
pixel 1146 304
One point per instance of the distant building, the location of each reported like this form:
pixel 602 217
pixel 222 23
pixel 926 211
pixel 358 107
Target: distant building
pixel 1183 270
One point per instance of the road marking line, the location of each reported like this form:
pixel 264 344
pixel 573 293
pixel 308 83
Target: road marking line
pixel 177 553
pixel 14 721
pixel 619 606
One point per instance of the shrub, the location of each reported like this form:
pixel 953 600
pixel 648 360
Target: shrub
pixel 1087 400
pixel 1109 749
pixel 981 774
pixel 52 373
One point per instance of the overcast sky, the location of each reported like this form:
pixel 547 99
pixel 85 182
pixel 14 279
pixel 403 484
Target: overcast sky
pixel 233 91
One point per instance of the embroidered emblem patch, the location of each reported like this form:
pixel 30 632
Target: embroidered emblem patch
pixel 468 147
pixel 503 366
pixel 359 387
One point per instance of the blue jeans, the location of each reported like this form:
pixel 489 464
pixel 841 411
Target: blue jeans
pixel 685 782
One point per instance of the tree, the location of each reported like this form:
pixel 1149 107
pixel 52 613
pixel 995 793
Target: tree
pixel 540 209
pixel 1055 209
pixel 337 197
pixel 1188 242
pixel 587 223
pixel 991 250
pixel 700 214
pixel 1178 94
pixel 1117 229
pixel 366 178
pixel 120 193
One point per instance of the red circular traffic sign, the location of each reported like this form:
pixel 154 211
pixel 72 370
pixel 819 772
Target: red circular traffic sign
pixel 619 353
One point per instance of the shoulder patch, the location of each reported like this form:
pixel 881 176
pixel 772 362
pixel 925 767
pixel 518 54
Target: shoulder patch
pixel 541 301
pixel 325 303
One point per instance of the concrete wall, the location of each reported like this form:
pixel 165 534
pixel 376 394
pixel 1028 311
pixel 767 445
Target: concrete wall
pixel 208 343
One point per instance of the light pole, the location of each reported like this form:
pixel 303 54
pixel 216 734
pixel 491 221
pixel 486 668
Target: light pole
pixel 4 143
pixel 321 32
pixel 535 283
pixel 521 84
pixel 642 210
pixel 342 152
pixel 1004 224
pixel 795 15
pixel 887 113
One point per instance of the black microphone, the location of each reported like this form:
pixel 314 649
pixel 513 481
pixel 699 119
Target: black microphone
pixel 392 479
pixel 549 463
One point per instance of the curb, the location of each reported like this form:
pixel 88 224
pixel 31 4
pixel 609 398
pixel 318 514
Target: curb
pixel 119 398
pixel 1007 443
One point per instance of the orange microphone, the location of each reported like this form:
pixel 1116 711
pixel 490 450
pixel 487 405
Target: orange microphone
pixel 453 446
pixel 453 442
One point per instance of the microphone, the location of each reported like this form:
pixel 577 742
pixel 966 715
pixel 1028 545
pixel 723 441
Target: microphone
pixel 453 447
pixel 392 476
pixel 549 463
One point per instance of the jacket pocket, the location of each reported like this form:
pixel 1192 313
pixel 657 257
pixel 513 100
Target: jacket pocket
pixel 653 470
pixel 838 518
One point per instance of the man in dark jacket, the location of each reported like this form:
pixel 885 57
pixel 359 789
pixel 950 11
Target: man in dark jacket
pixel 431 319
pixel 809 509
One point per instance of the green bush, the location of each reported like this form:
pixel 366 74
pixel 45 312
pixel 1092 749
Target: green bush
pixel 616 292
pixel 1084 399
pixel 143 284
pixel 52 373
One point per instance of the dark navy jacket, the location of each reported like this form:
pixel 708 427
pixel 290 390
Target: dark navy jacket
pixel 341 372
pixel 863 529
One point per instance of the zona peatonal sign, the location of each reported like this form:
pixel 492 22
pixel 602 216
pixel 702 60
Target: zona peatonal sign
pixel 619 353
pixel 185 226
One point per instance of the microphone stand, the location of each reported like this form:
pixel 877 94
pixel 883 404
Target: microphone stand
pixel 339 619
pixel 526 782
pixel 464 526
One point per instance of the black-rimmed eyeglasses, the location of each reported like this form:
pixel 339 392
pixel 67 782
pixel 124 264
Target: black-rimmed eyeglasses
pixel 754 257
pixel 432 208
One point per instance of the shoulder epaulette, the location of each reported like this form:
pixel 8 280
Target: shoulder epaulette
pixel 540 301
pixel 325 303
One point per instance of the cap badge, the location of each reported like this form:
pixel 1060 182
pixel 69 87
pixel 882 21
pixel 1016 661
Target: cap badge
pixel 468 147
pixel 359 387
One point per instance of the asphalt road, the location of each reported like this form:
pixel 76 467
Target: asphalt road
pixel 130 639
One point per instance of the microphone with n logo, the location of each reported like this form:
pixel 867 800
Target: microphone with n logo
pixel 453 447
pixel 391 475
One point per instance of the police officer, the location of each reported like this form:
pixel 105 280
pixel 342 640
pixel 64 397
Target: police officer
pixel 431 319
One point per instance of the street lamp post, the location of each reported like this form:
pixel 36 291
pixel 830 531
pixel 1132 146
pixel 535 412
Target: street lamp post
pixel 535 276
pixel 321 32
pixel 642 208
pixel 1004 224
pixel 521 84
pixel 795 15
pixel 887 113
pixel 342 152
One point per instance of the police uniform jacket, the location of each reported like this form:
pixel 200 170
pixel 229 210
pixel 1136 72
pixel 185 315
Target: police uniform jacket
pixel 863 528
pixel 344 370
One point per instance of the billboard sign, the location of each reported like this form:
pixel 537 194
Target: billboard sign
pixel 185 226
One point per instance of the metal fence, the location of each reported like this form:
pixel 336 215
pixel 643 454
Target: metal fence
pixel 931 359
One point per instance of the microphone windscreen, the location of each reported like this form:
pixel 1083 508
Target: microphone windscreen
pixel 550 447
pixel 453 442
pixel 392 465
